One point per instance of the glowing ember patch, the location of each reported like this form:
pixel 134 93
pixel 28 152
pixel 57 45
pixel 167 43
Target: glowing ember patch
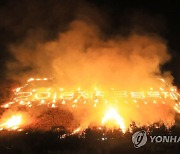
pixel 76 131
pixel 13 123
pixel 112 114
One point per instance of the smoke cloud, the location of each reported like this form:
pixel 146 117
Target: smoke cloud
pixel 83 56
pixel 80 56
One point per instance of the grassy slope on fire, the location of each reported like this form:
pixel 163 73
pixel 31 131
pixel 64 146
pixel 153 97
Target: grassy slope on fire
pixel 90 141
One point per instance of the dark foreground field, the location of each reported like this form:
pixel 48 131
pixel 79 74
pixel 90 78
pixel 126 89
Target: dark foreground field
pixel 91 141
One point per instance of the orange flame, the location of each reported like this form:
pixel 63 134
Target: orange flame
pixel 12 123
pixel 112 114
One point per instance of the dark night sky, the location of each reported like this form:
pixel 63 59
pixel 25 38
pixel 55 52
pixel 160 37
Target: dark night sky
pixel 19 18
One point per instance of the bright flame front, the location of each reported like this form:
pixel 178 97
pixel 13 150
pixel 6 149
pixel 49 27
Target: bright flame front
pixel 112 114
pixel 12 123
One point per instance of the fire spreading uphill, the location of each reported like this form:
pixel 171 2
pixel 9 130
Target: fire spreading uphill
pixel 88 107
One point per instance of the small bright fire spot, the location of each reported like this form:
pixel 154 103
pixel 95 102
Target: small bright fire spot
pixel 12 123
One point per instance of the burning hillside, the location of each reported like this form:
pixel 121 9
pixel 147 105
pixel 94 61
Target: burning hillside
pixel 40 101
pixel 93 81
